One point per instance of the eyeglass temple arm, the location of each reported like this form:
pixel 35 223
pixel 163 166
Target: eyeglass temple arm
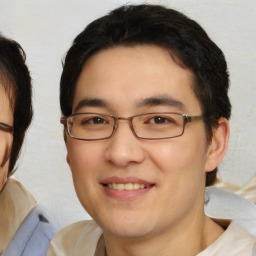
pixel 63 120
pixel 192 118
pixel 6 128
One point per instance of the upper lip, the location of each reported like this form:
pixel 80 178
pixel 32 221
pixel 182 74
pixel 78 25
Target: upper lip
pixel 125 180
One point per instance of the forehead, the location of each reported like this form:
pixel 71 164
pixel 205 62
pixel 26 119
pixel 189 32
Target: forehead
pixel 125 76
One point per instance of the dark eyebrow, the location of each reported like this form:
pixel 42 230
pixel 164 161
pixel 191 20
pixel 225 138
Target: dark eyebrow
pixel 161 100
pixel 94 102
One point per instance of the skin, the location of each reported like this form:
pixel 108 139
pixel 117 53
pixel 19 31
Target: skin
pixel 6 116
pixel 170 213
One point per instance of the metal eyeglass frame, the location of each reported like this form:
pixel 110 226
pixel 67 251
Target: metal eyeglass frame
pixel 6 128
pixel 186 119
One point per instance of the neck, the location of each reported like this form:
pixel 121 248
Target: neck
pixel 188 240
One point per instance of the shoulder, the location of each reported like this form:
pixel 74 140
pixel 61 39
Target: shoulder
pixel 234 241
pixel 33 236
pixel 238 234
pixel 239 237
pixel 76 239
pixel 221 204
pixel 86 228
pixel 41 232
pixel 25 229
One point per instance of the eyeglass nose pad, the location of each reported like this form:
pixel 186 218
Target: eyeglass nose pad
pixel 114 128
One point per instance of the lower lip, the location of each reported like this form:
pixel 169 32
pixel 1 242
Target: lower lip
pixel 126 194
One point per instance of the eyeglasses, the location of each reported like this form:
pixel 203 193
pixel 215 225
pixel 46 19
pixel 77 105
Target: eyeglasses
pixel 6 128
pixel 150 126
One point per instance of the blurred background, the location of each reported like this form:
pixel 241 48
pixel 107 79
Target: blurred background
pixel 45 29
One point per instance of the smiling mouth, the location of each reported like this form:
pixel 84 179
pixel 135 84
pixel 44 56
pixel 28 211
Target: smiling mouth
pixel 127 186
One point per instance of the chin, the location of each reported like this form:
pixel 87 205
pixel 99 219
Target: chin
pixel 127 232
pixel 127 227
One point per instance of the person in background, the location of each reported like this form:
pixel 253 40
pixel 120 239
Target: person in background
pixel 144 98
pixel 23 228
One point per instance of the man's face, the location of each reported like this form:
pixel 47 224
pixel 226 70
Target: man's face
pixel 124 80
pixel 6 117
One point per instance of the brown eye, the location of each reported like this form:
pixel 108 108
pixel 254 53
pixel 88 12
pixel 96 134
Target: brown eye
pixel 93 120
pixel 97 120
pixel 160 120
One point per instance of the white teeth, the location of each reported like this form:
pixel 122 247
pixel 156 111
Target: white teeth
pixel 128 186
pixel 136 186
pixel 120 186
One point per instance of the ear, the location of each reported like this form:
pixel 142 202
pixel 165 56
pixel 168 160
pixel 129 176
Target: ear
pixel 218 146
pixel 68 159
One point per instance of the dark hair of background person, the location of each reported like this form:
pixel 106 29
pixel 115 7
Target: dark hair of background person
pixel 185 40
pixel 16 80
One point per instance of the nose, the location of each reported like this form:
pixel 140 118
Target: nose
pixel 124 147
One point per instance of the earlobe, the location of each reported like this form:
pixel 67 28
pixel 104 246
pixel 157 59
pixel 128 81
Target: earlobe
pixel 68 159
pixel 218 145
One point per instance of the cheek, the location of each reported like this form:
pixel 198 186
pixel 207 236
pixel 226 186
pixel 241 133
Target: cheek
pixel 85 160
pixel 181 165
pixel 5 148
pixel 182 176
pixel 83 156
pixel 3 176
